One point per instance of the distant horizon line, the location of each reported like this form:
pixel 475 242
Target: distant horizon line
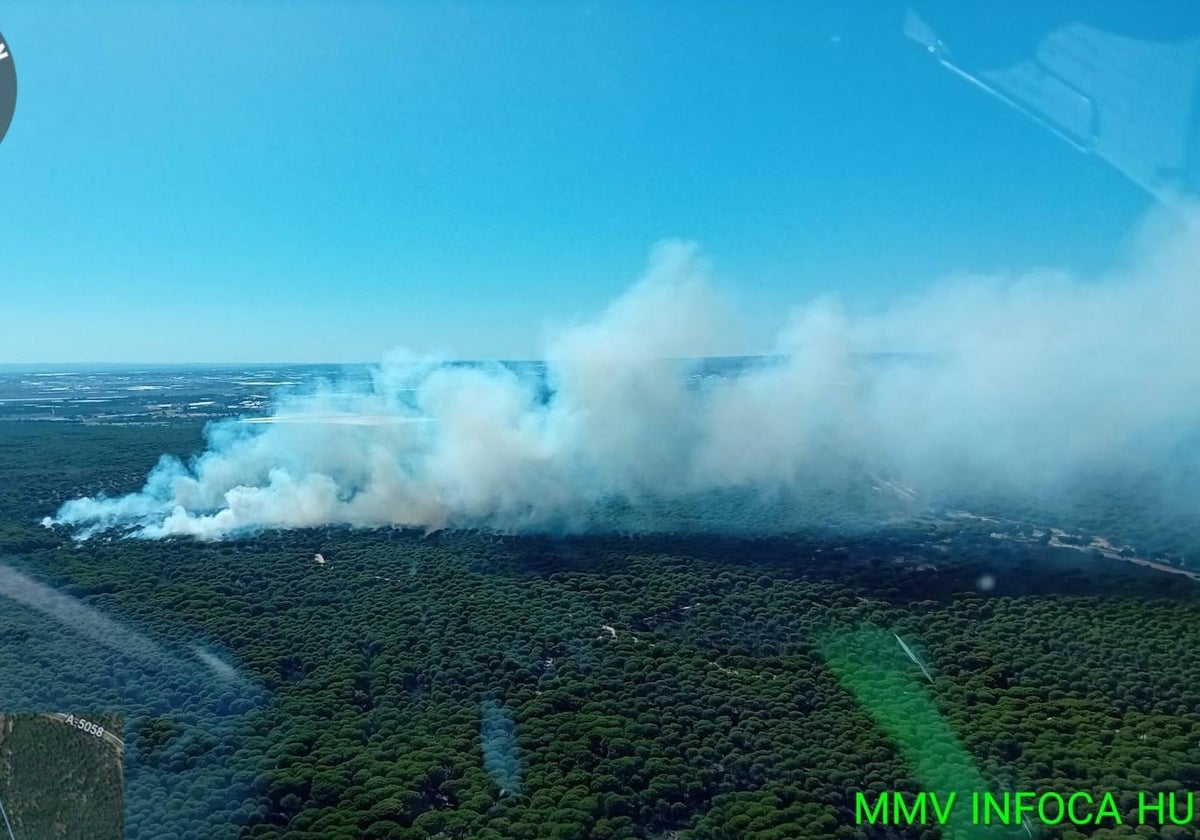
pixel 35 367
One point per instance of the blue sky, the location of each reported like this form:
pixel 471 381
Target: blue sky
pixel 319 181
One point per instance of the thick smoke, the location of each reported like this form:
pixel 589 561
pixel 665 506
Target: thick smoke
pixel 1023 384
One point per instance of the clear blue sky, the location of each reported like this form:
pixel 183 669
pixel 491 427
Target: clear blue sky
pixel 321 181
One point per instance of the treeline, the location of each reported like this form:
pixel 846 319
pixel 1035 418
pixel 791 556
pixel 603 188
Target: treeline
pixel 465 685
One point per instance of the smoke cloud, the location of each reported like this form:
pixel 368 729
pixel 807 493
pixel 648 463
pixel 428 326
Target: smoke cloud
pixel 1022 384
pixel 498 743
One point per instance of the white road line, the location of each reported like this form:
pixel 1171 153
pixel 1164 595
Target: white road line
pixel 7 825
pixel 102 733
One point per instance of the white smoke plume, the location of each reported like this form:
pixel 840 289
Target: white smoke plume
pixel 498 743
pixel 1020 383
